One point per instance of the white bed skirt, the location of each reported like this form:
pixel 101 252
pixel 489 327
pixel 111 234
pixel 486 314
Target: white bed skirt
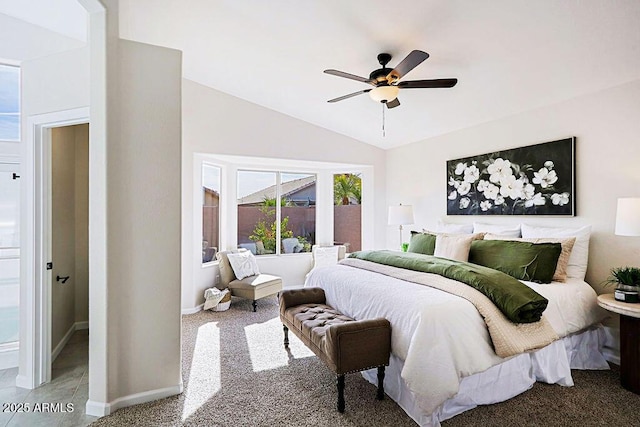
pixel 551 364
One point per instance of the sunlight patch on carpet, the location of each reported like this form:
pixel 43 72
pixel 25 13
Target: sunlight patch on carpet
pixel 266 348
pixel 204 375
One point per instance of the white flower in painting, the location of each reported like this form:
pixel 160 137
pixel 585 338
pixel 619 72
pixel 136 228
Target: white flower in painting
pixel 464 203
pixel 511 187
pixel 528 191
pixel 453 195
pixel 499 200
pixel 536 200
pixel 548 164
pixel 560 199
pixel 453 183
pixel 544 177
pixel 485 205
pixel 491 191
pixel 483 185
pixel 499 170
pixel 460 167
pixel 464 188
pixel 471 174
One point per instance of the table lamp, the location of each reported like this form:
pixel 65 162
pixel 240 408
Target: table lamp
pixel 400 215
pixel 627 224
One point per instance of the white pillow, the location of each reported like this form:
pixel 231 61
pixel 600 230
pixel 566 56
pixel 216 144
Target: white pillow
pixel 323 256
pixel 244 264
pixel 454 246
pixel 577 266
pixel 444 227
pixel 502 230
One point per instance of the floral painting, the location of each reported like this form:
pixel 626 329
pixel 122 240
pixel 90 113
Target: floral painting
pixel 533 180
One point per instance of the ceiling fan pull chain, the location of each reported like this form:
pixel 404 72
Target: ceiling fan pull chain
pixel 383 132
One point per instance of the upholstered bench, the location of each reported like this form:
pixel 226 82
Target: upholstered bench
pixel 345 345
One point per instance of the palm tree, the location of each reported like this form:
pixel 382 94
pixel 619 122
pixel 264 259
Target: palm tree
pixel 347 187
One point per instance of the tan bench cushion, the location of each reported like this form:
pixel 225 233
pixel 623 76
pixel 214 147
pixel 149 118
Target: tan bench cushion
pixel 256 287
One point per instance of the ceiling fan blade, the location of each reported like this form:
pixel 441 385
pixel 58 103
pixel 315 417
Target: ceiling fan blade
pixel 393 103
pixel 360 92
pixel 412 60
pixel 350 76
pixel 416 84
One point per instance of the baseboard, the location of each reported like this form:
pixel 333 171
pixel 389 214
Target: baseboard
pixel 82 325
pixel 100 409
pixel 193 310
pixel 65 339
pixel 23 382
pixel 9 356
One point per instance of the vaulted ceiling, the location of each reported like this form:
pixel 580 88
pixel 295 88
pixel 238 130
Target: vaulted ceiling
pixel 509 56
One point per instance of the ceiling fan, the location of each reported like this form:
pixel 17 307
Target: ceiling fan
pixel 386 81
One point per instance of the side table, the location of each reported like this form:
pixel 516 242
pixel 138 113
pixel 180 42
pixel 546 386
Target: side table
pixel 629 339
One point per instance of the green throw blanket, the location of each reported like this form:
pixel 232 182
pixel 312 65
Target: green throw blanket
pixel 516 301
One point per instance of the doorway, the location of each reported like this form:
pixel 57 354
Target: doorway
pixel 69 231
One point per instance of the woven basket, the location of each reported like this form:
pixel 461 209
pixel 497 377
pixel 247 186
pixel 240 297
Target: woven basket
pixel 224 303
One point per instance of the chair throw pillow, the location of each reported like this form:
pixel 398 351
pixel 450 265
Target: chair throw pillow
pixel 244 264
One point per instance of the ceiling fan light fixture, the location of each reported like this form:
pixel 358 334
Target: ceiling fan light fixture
pixel 384 93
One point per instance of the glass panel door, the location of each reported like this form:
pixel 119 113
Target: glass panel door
pixel 9 252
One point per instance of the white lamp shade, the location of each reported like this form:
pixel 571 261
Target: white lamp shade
pixel 400 215
pixel 628 217
pixel 384 93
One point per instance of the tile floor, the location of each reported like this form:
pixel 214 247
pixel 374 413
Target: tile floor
pixel 69 385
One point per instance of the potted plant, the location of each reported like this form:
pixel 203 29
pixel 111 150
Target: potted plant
pixel 627 281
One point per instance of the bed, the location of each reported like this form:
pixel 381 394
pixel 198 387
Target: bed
pixel 443 360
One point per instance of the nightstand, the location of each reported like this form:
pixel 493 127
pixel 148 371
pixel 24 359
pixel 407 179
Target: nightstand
pixel 629 339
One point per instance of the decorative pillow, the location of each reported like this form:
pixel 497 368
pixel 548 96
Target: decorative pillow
pixel 534 262
pixel 560 275
pixel 502 230
pixel 445 227
pixel 422 243
pixel 325 255
pixel 453 246
pixel 577 265
pixel 244 264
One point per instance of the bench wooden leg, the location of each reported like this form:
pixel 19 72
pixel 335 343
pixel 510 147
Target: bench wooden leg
pixel 340 382
pixel 255 305
pixel 286 336
pixel 380 395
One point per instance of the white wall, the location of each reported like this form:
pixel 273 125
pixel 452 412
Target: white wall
pixel 134 204
pixel 143 221
pixel 606 124
pixel 217 123
pixel 49 84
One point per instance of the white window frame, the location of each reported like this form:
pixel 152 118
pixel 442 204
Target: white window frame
pixel 220 208
pixel 278 172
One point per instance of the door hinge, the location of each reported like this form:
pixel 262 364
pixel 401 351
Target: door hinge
pixel 49 266
pixel 15 176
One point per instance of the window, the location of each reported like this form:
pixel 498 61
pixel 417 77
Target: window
pixel 276 212
pixel 210 212
pixel 9 103
pixel 347 211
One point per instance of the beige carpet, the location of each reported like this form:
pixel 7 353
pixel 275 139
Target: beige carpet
pixel 237 373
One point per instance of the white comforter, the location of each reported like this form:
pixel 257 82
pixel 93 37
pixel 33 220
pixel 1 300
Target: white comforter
pixel 441 337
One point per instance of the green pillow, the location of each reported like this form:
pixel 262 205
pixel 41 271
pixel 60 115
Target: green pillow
pixel 534 262
pixel 422 243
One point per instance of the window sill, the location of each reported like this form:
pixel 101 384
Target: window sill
pixel 210 264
